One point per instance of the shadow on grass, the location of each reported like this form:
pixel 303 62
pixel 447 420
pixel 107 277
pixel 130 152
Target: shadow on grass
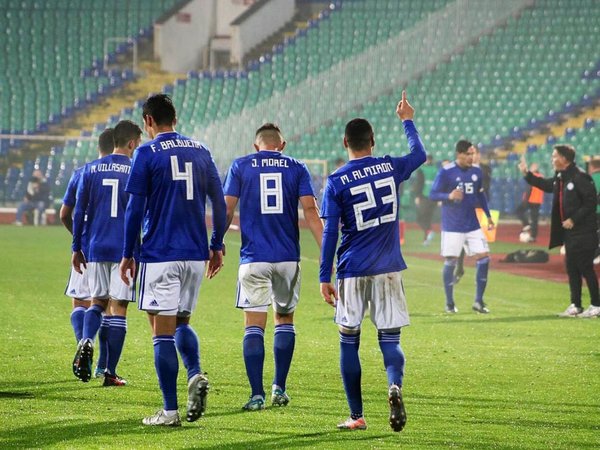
pixel 67 433
pixel 283 440
pixel 447 318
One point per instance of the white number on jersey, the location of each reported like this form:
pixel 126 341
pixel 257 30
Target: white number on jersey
pixel 187 175
pixel 469 188
pixel 113 183
pixel 273 193
pixel 370 202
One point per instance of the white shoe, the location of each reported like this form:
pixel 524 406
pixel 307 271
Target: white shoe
pixel 592 311
pixel 571 311
pixel 161 419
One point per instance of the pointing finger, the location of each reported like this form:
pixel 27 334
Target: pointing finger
pixel 403 96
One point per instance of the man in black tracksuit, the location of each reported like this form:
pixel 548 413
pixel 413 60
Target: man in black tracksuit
pixel 573 224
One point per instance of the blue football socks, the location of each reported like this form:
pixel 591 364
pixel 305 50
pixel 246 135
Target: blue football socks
pixel 351 372
pixel 254 358
pixel 393 357
pixel 91 322
pixel 103 342
pixel 448 276
pixel 77 316
pixel 481 275
pixel 186 341
pixel 116 339
pixel 167 368
pixel 283 350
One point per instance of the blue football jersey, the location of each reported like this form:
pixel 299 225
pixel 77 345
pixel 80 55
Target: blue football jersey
pixel 459 216
pixel 70 198
pixel 363 195
pixel 101 197
pixel 269 186
pixel 175 174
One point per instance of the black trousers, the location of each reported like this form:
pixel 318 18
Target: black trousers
pixel 580 264
pixel 532 220
pixel 425 213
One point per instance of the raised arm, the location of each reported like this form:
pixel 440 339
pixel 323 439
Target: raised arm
pixel 417 155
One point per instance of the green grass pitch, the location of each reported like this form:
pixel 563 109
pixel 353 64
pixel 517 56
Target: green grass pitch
pixel 517 378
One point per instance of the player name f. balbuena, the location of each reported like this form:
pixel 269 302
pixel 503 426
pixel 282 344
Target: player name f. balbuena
pixel 175 143
pixel 112 167
pixel 366 172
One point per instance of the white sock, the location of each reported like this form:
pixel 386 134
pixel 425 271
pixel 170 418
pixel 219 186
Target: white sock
pixel 170 413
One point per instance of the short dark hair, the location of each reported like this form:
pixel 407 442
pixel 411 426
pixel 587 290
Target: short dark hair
pixel 463 146
pixel 126 131
pixel 160 108
pixel 359 134
pixel 268 127
pixel 567 151
pixel 106 141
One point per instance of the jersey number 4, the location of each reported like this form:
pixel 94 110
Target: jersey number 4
pixel 367 189
pixel 187 175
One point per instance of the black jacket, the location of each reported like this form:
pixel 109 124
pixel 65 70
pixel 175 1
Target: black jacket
pixel 579 204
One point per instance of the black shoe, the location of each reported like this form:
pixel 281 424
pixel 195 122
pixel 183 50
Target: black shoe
pixel 197 392
pixel 397 411
pixel 113 380
pixel 76 358
pixel 84 363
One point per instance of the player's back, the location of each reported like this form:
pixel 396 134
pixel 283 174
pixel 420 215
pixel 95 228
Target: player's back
pixel 269 185
pixel 102 188
pixel 175 174
pixel 70 198
pixel 460 216
pixel 366 190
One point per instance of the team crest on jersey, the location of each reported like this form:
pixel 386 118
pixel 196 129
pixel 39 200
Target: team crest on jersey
pixel 474 177
pixel 570 186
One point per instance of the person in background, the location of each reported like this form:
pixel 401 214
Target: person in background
pixel 533 198
pixel 573 223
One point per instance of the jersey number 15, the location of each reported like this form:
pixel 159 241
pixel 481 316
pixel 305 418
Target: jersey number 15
pixel 371 202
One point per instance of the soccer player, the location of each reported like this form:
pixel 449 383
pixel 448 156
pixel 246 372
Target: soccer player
pixel 269 187
pixel 171 177
pixel 363 196
pixel 102 199
pixel 459 186
pixel 78 287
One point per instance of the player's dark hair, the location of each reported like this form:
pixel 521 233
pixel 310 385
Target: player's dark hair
pixel 160 108
pixel 268 127
pixel 567 151
pixel 463 146
pixel 126 131
pixel 106 141
pixel 359 134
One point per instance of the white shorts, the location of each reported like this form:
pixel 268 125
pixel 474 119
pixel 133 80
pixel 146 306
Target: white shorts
pixel 170 288
pixel 383 294
pixel 261 283
pixel 78 286
pixel 474 243
pixel 105 282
